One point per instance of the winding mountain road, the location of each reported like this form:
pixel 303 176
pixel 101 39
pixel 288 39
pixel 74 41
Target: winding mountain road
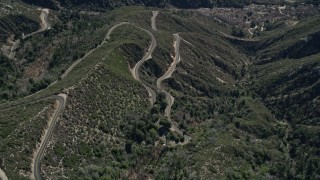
pixel 168 73
pixel 61 100
pixel 176 60
pixel 112 29
pixel 152 94
pixel 147 56
pixel 44 23
pixel 36 161
pixel 70 68
pixel 169 97
pixel 135 70
pixel 282 8
pixel 44 26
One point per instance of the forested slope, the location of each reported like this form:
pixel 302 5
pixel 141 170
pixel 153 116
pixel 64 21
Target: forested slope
pixel 16 24
pixel 242 108
pixel 110 4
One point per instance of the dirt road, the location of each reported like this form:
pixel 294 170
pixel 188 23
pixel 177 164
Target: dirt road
pixel 147 56
pixel 44 23
pixel 3 175
pixel 282 8
pixel 169 97
pixel 153 20
pixel 107 37
pixel 168 73
pixel 176 60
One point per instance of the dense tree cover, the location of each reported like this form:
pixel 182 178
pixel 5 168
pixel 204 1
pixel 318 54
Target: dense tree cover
pixel 44 3
pixel 237 32
pixel 133 132
pixel 8 73
pixel 110 106
pixel 110 4
pixel 96 4
pixel 314 2
pixel 16 24
pixel 305 47
pixel 209 3
pixel 293 96
pixel 6 67
pixel 19 134
pixel 31 50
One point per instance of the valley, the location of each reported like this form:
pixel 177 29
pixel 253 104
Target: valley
pixel 159 90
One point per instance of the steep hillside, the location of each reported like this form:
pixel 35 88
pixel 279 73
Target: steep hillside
pixel 163 93
pixel 111 4
pixel 16 25
pixel 9 74
pixel 288 83
pixel 21 129
pixel 295 42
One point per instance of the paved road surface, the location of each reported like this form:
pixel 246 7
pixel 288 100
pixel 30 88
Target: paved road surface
pixel 36 162
pixel 151 92
pixel 147 56
pixel 135 70
pixel 36 170
pixel 113 28
pixel 61 99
